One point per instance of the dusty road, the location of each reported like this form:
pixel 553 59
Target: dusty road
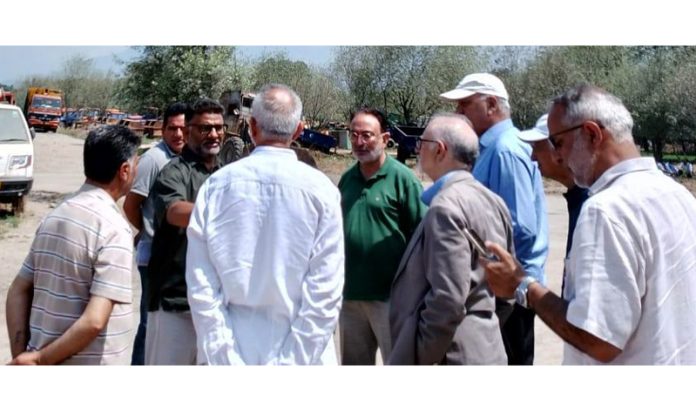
pixel 58 171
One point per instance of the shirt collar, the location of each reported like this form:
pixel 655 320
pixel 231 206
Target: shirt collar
pixel 99 192
pixel 625 167
pixel 274 151
pixel 431 192
pixel 382 172
pixel 167 149
pixel 190 156
pixel 490 135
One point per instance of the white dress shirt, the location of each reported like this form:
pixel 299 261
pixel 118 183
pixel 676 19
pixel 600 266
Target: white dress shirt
pixel 265 262
pixel 632 270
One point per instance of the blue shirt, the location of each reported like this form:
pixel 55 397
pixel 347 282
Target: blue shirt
pixel 429 194
pixel 506 168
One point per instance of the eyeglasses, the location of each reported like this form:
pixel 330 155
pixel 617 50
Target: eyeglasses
pixel 557 144
pixel 206 129
pixel 419 142
pixel 365 135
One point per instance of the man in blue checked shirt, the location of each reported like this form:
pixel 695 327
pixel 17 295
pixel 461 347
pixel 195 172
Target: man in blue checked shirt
pixel 506 168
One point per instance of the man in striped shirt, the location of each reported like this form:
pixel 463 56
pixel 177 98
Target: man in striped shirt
pixel 72 301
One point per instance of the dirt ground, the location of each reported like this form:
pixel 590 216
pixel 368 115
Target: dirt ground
pixel 58 172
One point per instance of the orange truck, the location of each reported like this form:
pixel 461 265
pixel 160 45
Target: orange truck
pixel 43 108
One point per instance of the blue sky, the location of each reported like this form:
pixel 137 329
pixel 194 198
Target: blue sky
pixel 19 62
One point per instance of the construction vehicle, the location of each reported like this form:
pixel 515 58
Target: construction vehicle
pixel 237 142
pixel 112 116
pixel 43 108
pixel 406 137
pixel 236 117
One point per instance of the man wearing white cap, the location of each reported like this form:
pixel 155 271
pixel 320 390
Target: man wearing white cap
pixel 551 166
pixel 506 168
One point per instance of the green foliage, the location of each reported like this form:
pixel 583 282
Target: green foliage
pixel 320 95
pixel 404 80
pixel 657 83
pixel 552 70
pixel 82 84
pixel 165 74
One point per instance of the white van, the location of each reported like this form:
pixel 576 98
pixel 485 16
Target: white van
pixel 16 157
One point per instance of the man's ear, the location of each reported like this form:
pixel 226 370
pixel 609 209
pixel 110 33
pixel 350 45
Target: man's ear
pixel 385 137
pixel 253 129
pixel 491 104
pixel 125 170
pixel 597 136
pixel 441 150
pixel 298 131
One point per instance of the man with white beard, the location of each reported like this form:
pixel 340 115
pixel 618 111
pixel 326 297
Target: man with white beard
pixel 630 292
pixel 381 209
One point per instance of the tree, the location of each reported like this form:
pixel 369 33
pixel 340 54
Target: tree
pixel 319 94
pixel 85 86
pixel 165 74
pixel 404 80
pixel 546 72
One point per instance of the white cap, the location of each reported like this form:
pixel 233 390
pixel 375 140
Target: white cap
pixel 539 132
pixel 483 83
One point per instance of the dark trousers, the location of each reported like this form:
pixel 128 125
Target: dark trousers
pixel 138 357
pixel 518 336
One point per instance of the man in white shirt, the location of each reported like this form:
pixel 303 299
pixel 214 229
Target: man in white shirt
pixel 265 258
pixel 630 294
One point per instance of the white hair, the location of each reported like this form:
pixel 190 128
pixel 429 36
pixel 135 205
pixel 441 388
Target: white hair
pixel 504 105
pixel 276 118
pixel 587 102
pixel 455 131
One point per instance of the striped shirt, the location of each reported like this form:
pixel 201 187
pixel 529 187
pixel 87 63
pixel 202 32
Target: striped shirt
pixel 82 248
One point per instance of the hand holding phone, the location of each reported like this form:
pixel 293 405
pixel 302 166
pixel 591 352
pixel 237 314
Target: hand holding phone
pixel 479 245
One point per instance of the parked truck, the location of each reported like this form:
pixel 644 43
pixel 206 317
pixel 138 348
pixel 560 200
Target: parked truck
pixel 406 137
pixel 43 108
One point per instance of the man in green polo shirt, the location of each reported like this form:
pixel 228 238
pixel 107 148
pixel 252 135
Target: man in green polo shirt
pixel 381 209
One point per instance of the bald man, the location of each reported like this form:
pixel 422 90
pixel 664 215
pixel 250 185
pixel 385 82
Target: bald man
pixel 442 311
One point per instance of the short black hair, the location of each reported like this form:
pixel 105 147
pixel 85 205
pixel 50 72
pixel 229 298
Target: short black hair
pixel 173 110
pixel 204 106
pixel 106 148
pixel 375 112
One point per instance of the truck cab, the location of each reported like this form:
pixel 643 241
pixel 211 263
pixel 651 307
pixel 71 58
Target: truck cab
pixel 43 108
pixel 16 157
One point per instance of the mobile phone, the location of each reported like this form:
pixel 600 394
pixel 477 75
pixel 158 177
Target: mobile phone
pixel 478 244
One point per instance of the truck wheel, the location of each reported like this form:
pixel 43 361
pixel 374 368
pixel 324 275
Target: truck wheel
pixel 232 150
pixel 390 143
pixel 18 204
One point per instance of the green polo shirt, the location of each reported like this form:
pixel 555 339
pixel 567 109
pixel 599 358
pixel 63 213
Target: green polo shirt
pixel 179 180
pixel 379 216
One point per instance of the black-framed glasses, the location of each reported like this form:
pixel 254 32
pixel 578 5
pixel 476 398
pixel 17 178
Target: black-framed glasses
pixel 206 129
pixel 556 144
pixel 420 140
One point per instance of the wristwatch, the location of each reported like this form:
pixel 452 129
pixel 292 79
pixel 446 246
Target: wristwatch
pixel 521 291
